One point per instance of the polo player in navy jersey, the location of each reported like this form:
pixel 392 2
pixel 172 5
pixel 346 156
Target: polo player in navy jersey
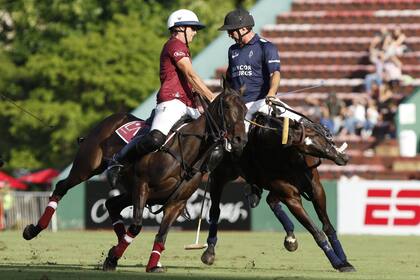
pixel 254 64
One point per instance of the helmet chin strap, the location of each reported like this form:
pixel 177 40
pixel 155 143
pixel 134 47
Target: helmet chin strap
pixel 184 31
pixel 240 37
pixel 185 36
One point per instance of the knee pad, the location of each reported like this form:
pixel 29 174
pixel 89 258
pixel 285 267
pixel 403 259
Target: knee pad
pixel 156 139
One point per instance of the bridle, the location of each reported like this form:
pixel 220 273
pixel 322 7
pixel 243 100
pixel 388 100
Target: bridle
pixel 213 130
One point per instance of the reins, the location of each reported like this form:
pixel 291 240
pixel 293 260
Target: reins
pixel 213 130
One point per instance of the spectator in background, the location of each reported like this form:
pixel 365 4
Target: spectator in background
pixel 393 71
pixel 5 203
pixel 372 116
pixel 380 41
pixel 355 117
pixel 375 78
pixel 392 64
pixel 333 115
pixel 314 110
pixel 396 46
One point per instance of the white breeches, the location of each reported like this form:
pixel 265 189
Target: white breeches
pixel 261 106
pixel 169 112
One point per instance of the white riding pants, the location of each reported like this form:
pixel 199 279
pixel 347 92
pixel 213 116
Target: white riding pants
pixel 169 112
pixel 261 106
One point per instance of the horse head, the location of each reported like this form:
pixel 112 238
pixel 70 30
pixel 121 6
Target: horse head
pixel 228 112
pixel 316 140
pixel 308 137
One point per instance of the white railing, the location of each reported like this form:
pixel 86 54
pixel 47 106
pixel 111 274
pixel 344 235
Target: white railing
pixel 26 208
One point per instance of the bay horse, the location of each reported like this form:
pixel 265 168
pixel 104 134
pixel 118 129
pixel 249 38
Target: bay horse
pixel 287 172
pixel 168 176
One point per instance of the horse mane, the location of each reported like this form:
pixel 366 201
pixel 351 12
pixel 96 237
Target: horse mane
pixel 319 128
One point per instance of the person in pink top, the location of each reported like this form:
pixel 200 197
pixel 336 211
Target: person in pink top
pixel 179 84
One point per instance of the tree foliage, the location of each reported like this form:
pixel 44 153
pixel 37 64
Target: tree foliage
pixel 71 63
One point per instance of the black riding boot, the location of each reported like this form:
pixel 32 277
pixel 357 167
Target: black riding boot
pixel 253 195
pixel 136 148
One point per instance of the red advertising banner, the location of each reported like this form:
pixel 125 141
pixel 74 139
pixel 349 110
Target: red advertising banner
pixel 379 207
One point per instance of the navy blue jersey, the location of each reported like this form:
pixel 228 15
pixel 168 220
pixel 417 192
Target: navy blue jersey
pixel 251 66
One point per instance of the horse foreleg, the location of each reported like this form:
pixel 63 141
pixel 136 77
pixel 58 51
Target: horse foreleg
pixel 115 205
pixel 140 196
pixel 319 202
pixel 86 164
pixel 171 213
pixel 216 189
pixel 294 203
pixel 290 241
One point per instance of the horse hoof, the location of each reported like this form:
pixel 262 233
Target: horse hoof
pixel 208 256
pixel 30 232
pixel 346 267
pixel 157 269
pixel 111 262
pixel 290 243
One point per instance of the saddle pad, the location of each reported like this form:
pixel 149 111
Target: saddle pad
pixel 129 130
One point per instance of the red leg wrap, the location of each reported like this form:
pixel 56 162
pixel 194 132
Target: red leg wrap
pixel 48 213
pixel 155 255
pixel 123 244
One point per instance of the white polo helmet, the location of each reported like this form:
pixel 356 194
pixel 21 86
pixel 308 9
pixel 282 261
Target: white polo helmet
pixel 184 17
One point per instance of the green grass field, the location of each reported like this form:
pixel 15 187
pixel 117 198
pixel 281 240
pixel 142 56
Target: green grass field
pixel 239 255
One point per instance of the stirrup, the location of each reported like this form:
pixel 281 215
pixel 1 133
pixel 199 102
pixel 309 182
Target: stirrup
pixel 113 172
pixel 253 200
pixel 254 195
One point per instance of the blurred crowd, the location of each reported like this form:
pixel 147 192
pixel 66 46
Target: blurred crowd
pixel 370 114
pixel 359 117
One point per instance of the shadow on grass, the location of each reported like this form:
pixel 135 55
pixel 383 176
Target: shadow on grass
pixel 78 271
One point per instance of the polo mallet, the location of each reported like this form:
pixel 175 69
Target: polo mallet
pixel 196 245
pixel 285 131
pixel 11 101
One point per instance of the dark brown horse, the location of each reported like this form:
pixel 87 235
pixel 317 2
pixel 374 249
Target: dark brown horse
pixel 169 176
pixel 287 172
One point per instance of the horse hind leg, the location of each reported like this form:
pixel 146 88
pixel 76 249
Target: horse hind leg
pixel 88 162
pixel 290 241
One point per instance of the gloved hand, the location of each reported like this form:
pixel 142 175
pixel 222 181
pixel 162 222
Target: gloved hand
pixel 269 99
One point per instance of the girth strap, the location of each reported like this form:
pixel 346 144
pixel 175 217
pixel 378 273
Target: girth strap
pixel 186 176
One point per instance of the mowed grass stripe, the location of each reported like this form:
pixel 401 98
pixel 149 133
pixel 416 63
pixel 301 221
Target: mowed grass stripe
pixel 239 255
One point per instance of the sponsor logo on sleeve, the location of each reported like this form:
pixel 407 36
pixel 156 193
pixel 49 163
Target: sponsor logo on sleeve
pixel 179 53
pixel 235 54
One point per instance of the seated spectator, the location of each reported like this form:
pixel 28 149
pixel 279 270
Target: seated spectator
pixel 385 95
pixel 380 41
pixel 375 78
pixel 333 113
pixel 314 111
pixel 355 117
pixel 396 46
pixel 393 71
pixel 372 116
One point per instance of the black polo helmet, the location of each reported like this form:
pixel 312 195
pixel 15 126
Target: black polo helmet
pixel 237 19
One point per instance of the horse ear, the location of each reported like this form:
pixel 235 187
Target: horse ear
pixel 242 90
pixel 225 83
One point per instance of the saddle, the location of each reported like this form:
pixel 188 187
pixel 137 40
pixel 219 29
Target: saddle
pixel 140 128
